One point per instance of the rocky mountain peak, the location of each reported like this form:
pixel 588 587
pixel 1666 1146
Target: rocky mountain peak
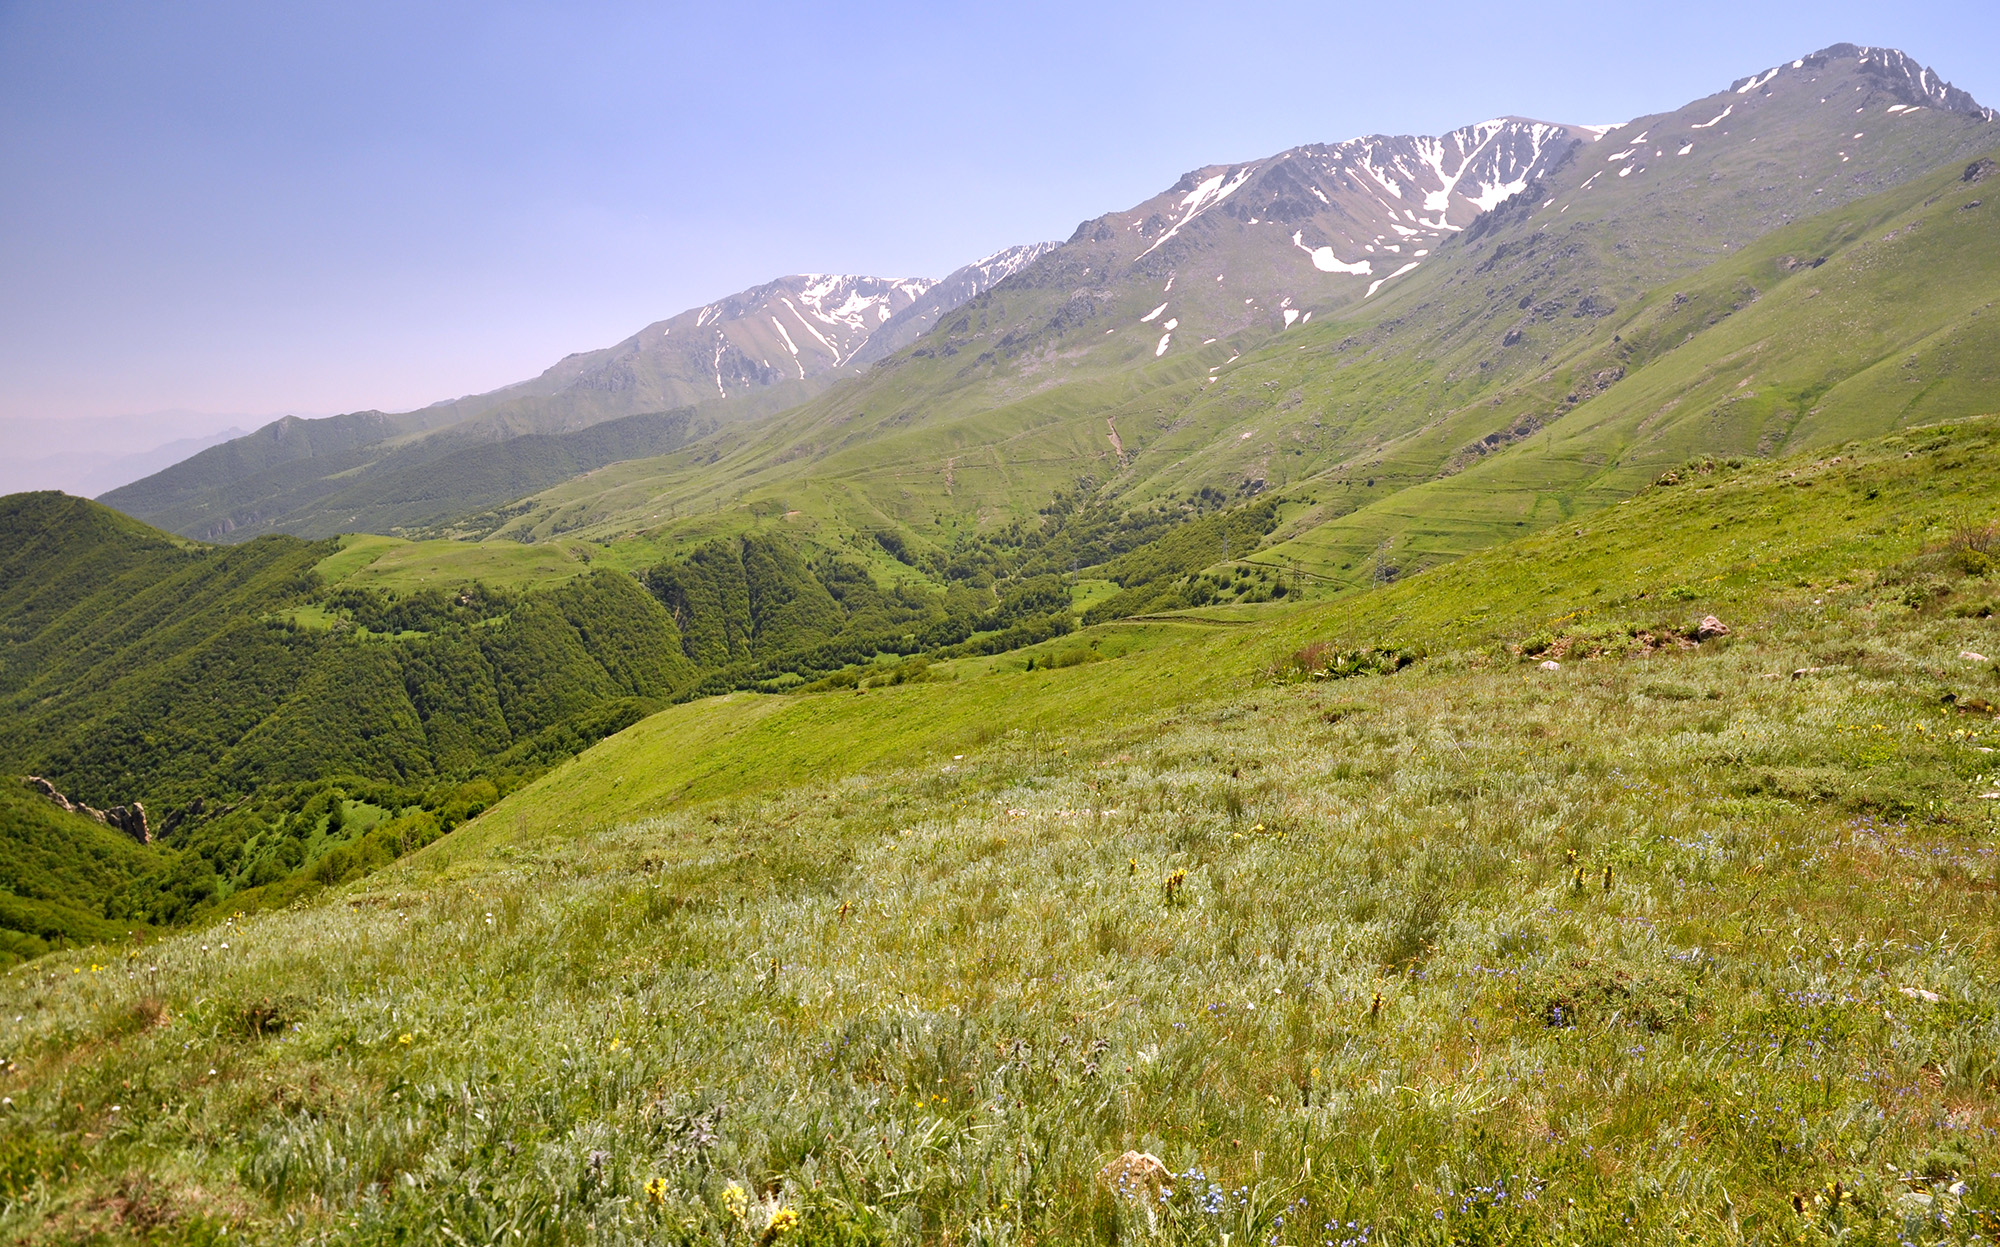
pixel 1887 69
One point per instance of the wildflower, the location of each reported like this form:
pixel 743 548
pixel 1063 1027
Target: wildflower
pixel 782 1222
pixel 1175 882
pixel 403 1039
pixel 735 1201
pixel 656 1191
pixel 1375 1008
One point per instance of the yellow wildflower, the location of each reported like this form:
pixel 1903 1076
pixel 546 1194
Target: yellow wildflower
pixel 783 1221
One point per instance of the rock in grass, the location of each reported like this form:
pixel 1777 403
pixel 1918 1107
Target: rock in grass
pixel 1136 1174
pixel 1550 664
pixel 1968 656
pixel 1710 627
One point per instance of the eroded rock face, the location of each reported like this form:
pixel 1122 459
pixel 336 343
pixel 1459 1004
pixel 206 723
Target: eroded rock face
pixel 48 790
pixel 130 819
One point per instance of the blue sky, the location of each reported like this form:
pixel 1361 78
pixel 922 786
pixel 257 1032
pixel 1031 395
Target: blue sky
pixel 260 208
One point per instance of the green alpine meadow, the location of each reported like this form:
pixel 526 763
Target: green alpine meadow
pixel 1420 690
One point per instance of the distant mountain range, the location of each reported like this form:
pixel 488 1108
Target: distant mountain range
pixel 92 472
pixel 744 355
pixel 1235 332
pixel 1280 378
pixel 46 453
pixel 1385 314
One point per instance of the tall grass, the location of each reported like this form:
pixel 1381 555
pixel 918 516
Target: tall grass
pixel 1676 942
pixel 1392 998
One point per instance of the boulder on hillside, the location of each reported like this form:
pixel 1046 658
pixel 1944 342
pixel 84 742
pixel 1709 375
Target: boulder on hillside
pixel 1709 628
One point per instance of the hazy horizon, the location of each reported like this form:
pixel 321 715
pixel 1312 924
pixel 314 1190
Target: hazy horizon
pixel 228 209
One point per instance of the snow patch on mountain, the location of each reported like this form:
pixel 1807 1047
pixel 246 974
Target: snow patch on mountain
pixel 789 345
pixel 1199 200
pixel 1326 261
pixel 1379 282
pixel 1758 81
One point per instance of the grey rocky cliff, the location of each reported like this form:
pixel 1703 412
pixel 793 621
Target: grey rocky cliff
pixel 130 819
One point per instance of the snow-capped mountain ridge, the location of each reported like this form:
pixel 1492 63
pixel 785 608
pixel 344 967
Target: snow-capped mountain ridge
pixel 966 283
pixel 1363 212
pixel 1894 71
pixel 1264 246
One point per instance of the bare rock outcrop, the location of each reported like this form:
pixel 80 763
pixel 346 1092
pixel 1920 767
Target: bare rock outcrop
pixel 130 819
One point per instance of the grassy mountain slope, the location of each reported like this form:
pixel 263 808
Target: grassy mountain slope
pixel 487 476
pixel 229 487
pixel 1650 948
pixel 228 689
pixel 1282 372
pixel 1847 324
pixel 1799 339
pixel 243 693
pixel 1519 321
pixel 1728 540
pixel 748 355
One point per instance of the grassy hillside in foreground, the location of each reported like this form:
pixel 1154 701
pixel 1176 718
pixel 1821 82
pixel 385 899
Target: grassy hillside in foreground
pixel 1656 947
